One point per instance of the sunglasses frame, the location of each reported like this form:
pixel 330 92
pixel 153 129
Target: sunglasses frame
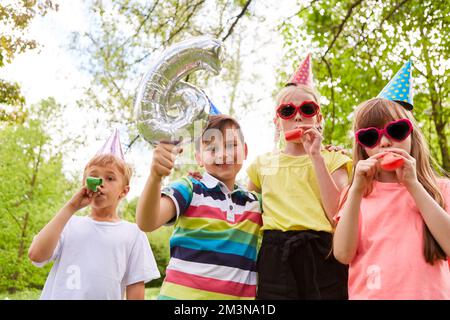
pixel 298 109
pixel 384 131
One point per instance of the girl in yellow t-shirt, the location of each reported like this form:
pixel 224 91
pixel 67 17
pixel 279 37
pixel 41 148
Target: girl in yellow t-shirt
pixel 300 187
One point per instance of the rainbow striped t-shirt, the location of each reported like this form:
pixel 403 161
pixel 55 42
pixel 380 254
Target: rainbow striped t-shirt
pixel 213 248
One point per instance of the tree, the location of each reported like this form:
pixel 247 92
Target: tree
pixel 33 187
pixel 359 45
pixel 127 33
pixel 15 18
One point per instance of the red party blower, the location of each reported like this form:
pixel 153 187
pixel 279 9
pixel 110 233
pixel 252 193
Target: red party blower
pixel 294 134
pixel 391 162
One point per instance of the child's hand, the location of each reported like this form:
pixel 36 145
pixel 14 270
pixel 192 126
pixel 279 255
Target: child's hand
pixel 312 141
pixel 81 199
pixel 164 157
pixel 196 175
pixel 406 174
pixel 365 171
pixel 340 149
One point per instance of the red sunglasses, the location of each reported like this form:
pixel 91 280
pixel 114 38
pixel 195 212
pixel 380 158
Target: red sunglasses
pixel 396 130
pixel 308 109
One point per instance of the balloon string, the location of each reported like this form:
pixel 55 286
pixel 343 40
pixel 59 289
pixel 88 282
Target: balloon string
pixel 131 143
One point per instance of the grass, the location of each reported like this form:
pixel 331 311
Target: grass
pixel 31 294
pixel 151 293
pixel 34 294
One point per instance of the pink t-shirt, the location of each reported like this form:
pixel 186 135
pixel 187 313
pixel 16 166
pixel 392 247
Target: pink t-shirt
pixel 389 262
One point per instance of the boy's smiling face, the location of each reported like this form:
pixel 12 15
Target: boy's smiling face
pixel 222 153
pixel 113 187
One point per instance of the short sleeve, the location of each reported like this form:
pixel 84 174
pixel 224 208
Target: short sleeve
pixel 338 160
pixel 180 192
pixel 141 265
pixel 254 174
pixel 59 246
pixel 56 254
pixel 259 197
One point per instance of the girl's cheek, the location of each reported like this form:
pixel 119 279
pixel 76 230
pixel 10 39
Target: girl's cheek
pixel 284 123
pixel 407 144
pixel 371 152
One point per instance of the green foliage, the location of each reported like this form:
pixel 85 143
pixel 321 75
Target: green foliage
pixel 17 17
pixel 34 294
pixel 29 294
pixel 14 19
pixel 151 293
pixel 10 96
pixel 117 57
pixel 159 241
pixel 126 34
pixel 33 187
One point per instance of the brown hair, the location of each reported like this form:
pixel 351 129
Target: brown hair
pixel 377 113
pixel 219 122
pixel 104 160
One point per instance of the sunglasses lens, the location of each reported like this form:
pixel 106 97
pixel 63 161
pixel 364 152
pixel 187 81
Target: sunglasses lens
pixel 309 109
pixel 368 138
pixel 286 111
pixel 399 130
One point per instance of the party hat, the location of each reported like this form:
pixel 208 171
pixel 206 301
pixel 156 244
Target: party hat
pixel 399 89
pixel 303 75
pixel 213 109
pixel 113 146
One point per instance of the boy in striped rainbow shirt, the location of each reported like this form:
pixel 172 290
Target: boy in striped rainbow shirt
pixel 213 248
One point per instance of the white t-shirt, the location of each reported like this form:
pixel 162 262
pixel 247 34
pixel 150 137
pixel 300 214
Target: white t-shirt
pixel 98 260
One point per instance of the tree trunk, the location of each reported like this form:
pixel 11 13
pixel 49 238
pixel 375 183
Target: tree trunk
pixel 443 143
pixel 26 218
pixel 436 106
pixel 20 254
pixel 236 79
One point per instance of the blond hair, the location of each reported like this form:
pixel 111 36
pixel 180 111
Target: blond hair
pixel 104 160
pixel 290 91
pixel 377 113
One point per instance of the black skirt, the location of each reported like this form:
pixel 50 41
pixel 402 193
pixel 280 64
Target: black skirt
pixel 300 265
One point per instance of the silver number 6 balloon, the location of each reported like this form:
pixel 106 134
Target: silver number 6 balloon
pixel 166 108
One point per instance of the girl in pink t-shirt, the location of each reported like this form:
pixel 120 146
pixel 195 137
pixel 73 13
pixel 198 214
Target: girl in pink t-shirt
pixel 394 221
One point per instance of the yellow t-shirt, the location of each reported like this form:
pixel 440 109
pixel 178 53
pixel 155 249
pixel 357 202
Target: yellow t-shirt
pixel 290 191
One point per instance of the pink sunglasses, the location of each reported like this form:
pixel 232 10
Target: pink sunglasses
pixel 396 130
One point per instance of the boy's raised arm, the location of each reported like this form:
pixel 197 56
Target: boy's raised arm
pixel 153 210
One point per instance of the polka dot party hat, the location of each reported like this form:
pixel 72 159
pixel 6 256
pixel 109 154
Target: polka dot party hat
pixel 399 89
pixel 303 75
